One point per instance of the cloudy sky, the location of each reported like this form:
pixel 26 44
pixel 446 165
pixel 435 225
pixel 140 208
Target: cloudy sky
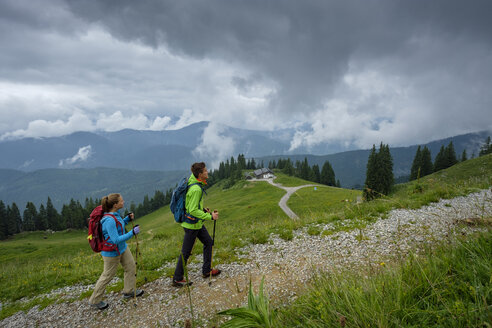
pixel 353 72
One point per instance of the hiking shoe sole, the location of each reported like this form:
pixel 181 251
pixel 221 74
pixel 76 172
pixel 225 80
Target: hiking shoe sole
pixel 215 272
pixel 181 283
pixel 100 306
pixel 140 292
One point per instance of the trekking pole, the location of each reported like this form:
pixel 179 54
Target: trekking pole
pixel 212 256
pixel 136 267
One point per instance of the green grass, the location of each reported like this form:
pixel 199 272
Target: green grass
pixel 450 286
pixel 32 265
pixel 290 181
pixel 324 200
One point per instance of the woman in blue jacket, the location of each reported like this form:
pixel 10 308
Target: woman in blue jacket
pixel 113 226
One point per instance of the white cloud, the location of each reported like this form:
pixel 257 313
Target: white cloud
pixel 214 147
pixel 160 123
pixel 82 155
pixel 187 118
pixel 27 164
pixel 369 107
pixel 43 128
pixel 117 121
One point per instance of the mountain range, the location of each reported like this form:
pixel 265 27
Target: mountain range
pixel 91 164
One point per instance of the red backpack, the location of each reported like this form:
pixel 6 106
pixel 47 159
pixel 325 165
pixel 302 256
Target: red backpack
pixel 96 239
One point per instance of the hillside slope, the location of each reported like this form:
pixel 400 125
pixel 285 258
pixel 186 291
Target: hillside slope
pixel 341 235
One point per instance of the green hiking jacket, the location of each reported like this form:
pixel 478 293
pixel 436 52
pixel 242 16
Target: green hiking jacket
pixel 194 206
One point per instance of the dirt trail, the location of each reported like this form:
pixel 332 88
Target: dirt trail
pixel 283 201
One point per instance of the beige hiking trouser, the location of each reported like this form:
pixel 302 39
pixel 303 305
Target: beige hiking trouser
pixel 110 267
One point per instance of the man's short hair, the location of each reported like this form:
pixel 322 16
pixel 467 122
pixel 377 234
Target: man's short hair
pixel 197 168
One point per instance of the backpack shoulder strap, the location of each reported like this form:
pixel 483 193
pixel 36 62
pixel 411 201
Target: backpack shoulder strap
pixel 118 224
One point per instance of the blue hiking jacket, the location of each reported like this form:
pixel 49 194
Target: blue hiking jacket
pixel 116 234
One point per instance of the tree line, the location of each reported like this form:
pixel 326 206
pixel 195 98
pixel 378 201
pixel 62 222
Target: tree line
pixel 232 171
pixel 422 162
pixel 72 216
pixel 301 169
pixel 379 171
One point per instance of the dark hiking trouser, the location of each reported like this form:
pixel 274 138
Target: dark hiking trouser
pixel 189 240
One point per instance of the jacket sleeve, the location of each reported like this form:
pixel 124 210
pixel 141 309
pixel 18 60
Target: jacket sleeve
pixel 114 236
pixel 193 206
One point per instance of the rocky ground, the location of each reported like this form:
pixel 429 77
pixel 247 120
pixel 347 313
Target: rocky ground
pixel 286 266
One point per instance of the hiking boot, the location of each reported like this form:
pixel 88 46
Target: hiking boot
pixel 100 306
pixel 140 292
pixel 181 283
pixel 214 272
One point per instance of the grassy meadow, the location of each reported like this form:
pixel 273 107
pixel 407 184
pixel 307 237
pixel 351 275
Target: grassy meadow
pixel 37 262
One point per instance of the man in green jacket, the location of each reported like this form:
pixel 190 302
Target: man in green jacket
pixel 193 225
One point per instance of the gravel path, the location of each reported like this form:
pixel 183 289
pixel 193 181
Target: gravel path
pixel 286 266
pixel 283 201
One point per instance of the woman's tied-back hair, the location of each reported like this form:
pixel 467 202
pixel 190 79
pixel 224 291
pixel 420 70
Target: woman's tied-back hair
pixel 197 168
pixel 109 201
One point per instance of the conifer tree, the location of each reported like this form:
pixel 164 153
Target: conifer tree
pixel 52 216
pixel 440 162
pixel 486 148
pixel 386 167
pixel 253 164
pixel 316 173
pixel 327 175
pixel 445 158
pixel 68 218
pixel 79 214
pixel 222 170
pixel 464 157
pixel 415 171
pixel 304 169
pixel 233 165
pixel 3 221
pixel 227 167
pixel 281 164
pixel 288 167
pixel 241 161
pixel 379 173
pixel 338 184
pixel 41 221
pixel 370 183
pixel 427 167
pixel 451 155
pixel 14 219
pixel 29 217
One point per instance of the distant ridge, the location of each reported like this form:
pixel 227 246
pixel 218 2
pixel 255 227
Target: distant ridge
pixel 63 184
pixel 350 166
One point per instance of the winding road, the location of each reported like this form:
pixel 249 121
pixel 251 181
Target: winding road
pixel 283 201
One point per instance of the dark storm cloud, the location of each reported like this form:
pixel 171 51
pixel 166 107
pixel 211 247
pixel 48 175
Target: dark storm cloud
pixel 305 46
pixel 355 71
